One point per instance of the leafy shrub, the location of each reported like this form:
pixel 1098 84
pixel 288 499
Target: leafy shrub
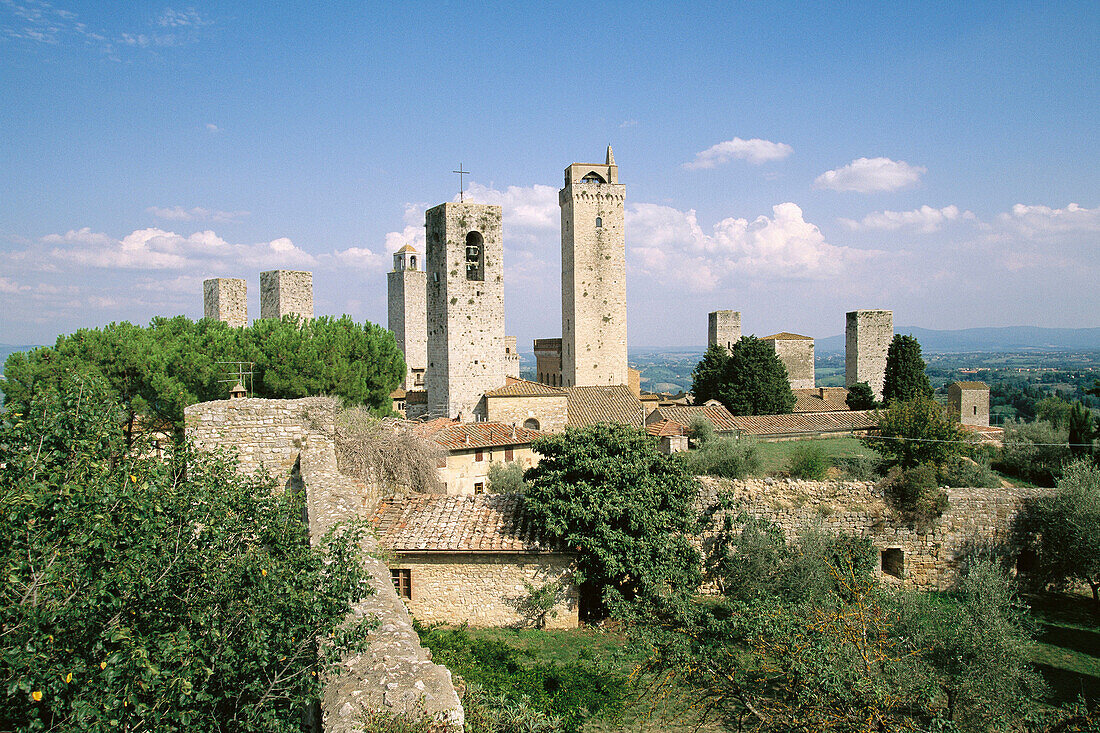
pixel 859 468
pixel 701 431
pixel 508 684
pixel 138 595
pixel 1034 452
pixel 860 397
pixel 915 493
pixel 506 478
pixel 960 471
pixel 724 457
pixel 809 461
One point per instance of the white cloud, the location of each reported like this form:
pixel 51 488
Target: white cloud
pixel 925 219
pixel 755 151
pixel 628 123
pixel 668 243
pixel 525 207
pixel 11 287
pixel 180 19
pixel 1043 220
pixel 871 175
pixel 198 213
pixel 212 128
pixel 413 231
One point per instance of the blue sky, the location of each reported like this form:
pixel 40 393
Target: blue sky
pixel 788 161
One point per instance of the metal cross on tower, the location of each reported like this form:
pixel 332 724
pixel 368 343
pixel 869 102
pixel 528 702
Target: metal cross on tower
pixel 461 188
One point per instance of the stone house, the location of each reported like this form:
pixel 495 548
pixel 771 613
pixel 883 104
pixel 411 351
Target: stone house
pixel 713 412
pixel 472 447
pixel 533 405
pixel 671 436
pixel 797 354
pixel 805 425
pixel 969 402
pixel 820 399
pixel 472 560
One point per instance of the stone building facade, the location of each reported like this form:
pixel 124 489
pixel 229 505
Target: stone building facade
pixel 471 448
pixel 407 312
pixel 970 402
pixel 226 299
pixel 723 328
pixel 283 292
pixel 511 357
pixel 528 404
pixel 548 361
pixel 867 337
pixel 593 276
pixel 797 354
pixel 927 557
pixel 465 307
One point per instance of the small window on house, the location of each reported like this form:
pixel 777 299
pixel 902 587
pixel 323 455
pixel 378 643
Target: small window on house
pixel 402 582
pixel 599 222
pixel 475 256
pixel 975 409
pixel 893 562
pixel 531 423
pixel 479 487
pixel 509 455
pixel 479 456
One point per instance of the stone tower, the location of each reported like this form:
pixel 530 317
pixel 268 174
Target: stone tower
pixel 225 299
pixel 724 328
pixel 797 354
pixel 286 291
pixel 465 307
pixel 593 275
pixel 407 311
pixel 970 402
pixel 867 337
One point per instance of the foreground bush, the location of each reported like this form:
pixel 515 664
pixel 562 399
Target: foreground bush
pixel 1034 452
pixel 809 461
pixel 915 493
pixel 140 595
pixel 724 457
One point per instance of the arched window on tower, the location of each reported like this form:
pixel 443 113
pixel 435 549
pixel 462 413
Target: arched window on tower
pixel 599 223
pixel 412 260
pixel 475 256
pixel 531 423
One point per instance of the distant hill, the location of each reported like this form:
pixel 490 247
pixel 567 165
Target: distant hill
pixel 1008 338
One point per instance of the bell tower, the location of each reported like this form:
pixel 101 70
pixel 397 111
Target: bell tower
pixel 593 275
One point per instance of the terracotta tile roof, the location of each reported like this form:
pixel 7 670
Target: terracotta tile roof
pixel 485 523
pixel 970 385
pixel 523 388
pixel 468 435
pixel 398 394
pixel 807 422
pixel 664 428
pixel 820 399
pixel 716 414
pixel 786 336
pixel 431 427
pixel 591 405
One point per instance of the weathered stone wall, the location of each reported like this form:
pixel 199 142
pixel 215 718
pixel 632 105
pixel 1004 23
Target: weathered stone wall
pixel 930 556
pixel 226 299
pixel 798 356
pixel 551 411
pixel 483 589
pixel 511 357
pixel 548 361
pixel 465 317
pixel 286 291
pixel 593 279
pixel 723 328
pixel 867 337
pixel 407 317
pixel 463 471
pixel 970 404
pixel 292 439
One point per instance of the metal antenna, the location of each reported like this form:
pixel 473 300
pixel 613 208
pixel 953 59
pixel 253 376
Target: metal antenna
pixel 461 188
pixel 236 372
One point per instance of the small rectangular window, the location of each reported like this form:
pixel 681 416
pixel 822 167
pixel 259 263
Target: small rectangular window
pixel 479 456
pixel 893 562
pixel 402 582
pixel 509 455
pixel 479 487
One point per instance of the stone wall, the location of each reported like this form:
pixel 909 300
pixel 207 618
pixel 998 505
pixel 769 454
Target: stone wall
pixel 292 439
pixel 483 589
pixel 969 404
pixel 226 299
pixel 551 411
pixel 286 291
pixel 511 357
pixel 867 336
pixel 929 556
pixel 465 316
pixel 593 278
pixel 798 356
pixel 548 361
pixel 723 328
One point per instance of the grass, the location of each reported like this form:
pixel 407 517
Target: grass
pixel 774 456
pixel 1067 652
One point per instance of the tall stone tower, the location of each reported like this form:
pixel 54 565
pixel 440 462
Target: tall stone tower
pixel 286 291
pixel 465 307
pixel 723 328
pixel 226 299
pixel 867 337
pixel 593 275
pixel 407 311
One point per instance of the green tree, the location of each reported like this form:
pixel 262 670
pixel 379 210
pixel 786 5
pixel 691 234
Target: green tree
pixel 917 430
pixel 706 378
pixel 754 380
pixel 860 397
pixel 1064 529
pixel 1054 410
pixel 1034 452
pixel 905 377
pixel 1081 430
pixel 141 596
pixel 626 508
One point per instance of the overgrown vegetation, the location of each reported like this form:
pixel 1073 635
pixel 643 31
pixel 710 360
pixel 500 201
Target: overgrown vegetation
pixel 914 493
pixel 149 594
pixel 732 458
pixel 506 478
pixel 383 452
pixel 809 461
pixel 1034 452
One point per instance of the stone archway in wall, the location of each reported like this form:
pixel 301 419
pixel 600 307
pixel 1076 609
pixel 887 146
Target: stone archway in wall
pixel 531 423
